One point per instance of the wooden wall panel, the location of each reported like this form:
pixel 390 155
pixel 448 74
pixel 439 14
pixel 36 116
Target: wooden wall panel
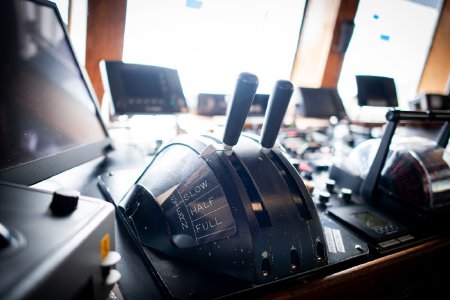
pixel 105 35
pixel 315 42
pixel 318 61
pixel 436 73
pixel 333 66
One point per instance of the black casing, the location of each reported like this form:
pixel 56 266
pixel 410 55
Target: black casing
pixel 54 257
pixel 277 229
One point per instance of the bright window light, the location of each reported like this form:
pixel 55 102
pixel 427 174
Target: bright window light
pixel 63 7
pixel 392 38
pixel 210 42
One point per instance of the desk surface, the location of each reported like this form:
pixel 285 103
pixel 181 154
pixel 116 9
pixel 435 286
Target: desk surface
pixel 420 271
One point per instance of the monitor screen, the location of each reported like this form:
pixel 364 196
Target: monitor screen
pixel 321 103
pixel 211 104
pixel 142 89
pixel 48 113
pixel 216 104
pixel 259 105
pixel 376 91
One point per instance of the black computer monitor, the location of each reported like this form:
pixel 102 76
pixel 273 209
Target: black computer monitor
pixel 376 91
pixel 430 101
pixel 320 103
pixel 142 89
pixel 216 104
pixel 49 119
pixel 259 105
pixel 209 104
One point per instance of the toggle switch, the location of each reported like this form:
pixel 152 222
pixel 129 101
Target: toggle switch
pixel 110 274
pixel 113 277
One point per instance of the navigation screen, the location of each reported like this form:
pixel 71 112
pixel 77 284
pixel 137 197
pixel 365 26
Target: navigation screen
pixel 45 105
pixel 142 89
pixel 370 220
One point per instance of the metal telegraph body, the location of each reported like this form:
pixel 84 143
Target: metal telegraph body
pixel 235 206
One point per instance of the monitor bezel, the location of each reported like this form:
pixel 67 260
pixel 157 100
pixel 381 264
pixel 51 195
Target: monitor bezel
pixel 219 107
pixel 34 171
pixel 304 108
pixel 111 72
pixel 389 86
pixel 260 100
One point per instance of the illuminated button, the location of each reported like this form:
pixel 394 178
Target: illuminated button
pixel 379 229
pixel 388 243
pixel 405 238
pixel 265 268
pixel 390 228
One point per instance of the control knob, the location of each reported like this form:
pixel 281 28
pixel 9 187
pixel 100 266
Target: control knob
pixel 346 195
pixel 64 202
pixel 324 198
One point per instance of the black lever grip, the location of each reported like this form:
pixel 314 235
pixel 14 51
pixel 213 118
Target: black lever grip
pixel 276 109
pixel 240 105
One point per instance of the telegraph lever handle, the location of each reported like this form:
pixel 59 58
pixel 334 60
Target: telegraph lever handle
pixel 276 109
pixel 244 93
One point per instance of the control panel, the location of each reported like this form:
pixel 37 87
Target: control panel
pixel 383 231
pixel 55 245
pixel 392 191
pixel 228 214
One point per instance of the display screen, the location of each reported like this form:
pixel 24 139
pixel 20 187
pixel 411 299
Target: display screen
pixel 259 105
pixel 436 102
pixel 211 104
pixel 141 84
pixel 376 91
pixel 46 107
pixel 321 103
pixel 142 89
pixel 370 220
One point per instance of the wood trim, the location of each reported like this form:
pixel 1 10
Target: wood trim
pixel 318 62
pixel 436 74
pixel 314 43
pixel 417 270
pixel 333 66
pixel 105 36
